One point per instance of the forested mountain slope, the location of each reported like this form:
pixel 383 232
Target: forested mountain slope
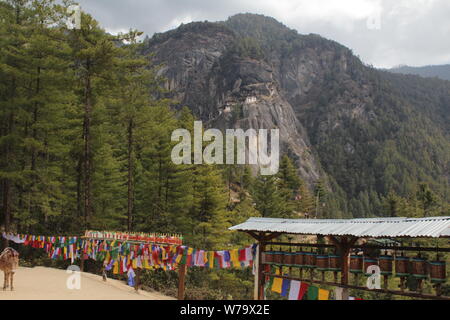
pixel 440 71
pixel 364 132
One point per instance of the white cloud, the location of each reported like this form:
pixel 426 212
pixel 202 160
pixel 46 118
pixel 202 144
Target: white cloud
pixel 412 32
pixel 174 23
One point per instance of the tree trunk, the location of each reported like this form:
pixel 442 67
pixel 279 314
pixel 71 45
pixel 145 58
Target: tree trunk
pixel 35 119
pixel 87 147
pixel 79 182
pixel 6 186
pixel 130 174
pixel 6 183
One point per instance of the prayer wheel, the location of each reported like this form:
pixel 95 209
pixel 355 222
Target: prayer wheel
pixel 402 266
pixel 419 268
pixel 310 260
pixel 356 264
pixel 335 263
pixel 277 257
pixel 386 265
pixel 369 262
pixel 299 259
pixel 438 273
pixel 322 263
pixel 288 258
pixel 267 257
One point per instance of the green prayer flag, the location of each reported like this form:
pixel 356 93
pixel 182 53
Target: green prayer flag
pixel 269 283
pixel 184 257
pixel 313 293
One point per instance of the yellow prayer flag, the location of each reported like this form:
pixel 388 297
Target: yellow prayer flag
pixel 146 264
pixel 116 267
pixel 234 256
pixel 211 259
pixel 134 263
pixel 324 294
pixel 277 285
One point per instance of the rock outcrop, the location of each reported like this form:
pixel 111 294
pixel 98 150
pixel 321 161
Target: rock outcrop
pixel 341 120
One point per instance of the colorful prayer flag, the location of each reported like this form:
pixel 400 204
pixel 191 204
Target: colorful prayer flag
pixel 324 294
pixel 313 293
pixel 277 285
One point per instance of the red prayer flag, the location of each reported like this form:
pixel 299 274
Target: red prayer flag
pixel 303 289
pixel 242 255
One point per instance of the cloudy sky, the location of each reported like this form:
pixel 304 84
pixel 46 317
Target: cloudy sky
pixel 383 33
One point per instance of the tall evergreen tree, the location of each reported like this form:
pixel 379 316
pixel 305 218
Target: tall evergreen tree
pixel 95 55
pixel 288 175
pixel 270 201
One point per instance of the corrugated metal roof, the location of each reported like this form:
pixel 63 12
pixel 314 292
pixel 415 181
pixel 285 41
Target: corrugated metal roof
pixel 433 227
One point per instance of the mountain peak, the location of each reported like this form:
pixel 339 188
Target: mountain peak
pixel 258 26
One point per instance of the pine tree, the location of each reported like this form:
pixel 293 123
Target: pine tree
pixel 13 43
pixel 288 176
pixel 132 108
pixel 427 199
pixel 270 201
pixel 210 220
pixel 320 193
pixel 95 54
pixel 305 203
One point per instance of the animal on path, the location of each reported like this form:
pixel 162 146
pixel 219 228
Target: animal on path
pixel 9 262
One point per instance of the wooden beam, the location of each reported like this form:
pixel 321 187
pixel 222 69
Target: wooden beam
pixel 253 235
pixel 271 237
pixel 312 245
pixel 364 246
pixel 333 240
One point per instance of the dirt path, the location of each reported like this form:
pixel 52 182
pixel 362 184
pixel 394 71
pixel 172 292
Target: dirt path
pixel 50 284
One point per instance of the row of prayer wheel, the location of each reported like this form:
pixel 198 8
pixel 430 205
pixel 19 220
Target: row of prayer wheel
pixel 404 266
pixel 305 260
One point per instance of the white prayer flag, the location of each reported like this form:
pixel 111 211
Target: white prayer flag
pixel 295 290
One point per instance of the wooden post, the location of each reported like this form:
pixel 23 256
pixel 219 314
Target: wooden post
pixel 402 284
pixel 438 288
pixel 256 284
pixel 261 238
pixel 82 261
pixel 345 252
pixel 137 283
pixel 261 278
pixel 104 276
pixel 344 245
pixel 386 282
pixel 181 280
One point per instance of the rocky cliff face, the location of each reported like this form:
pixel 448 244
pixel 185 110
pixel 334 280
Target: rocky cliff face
pixel 338 118
pixel 229 91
